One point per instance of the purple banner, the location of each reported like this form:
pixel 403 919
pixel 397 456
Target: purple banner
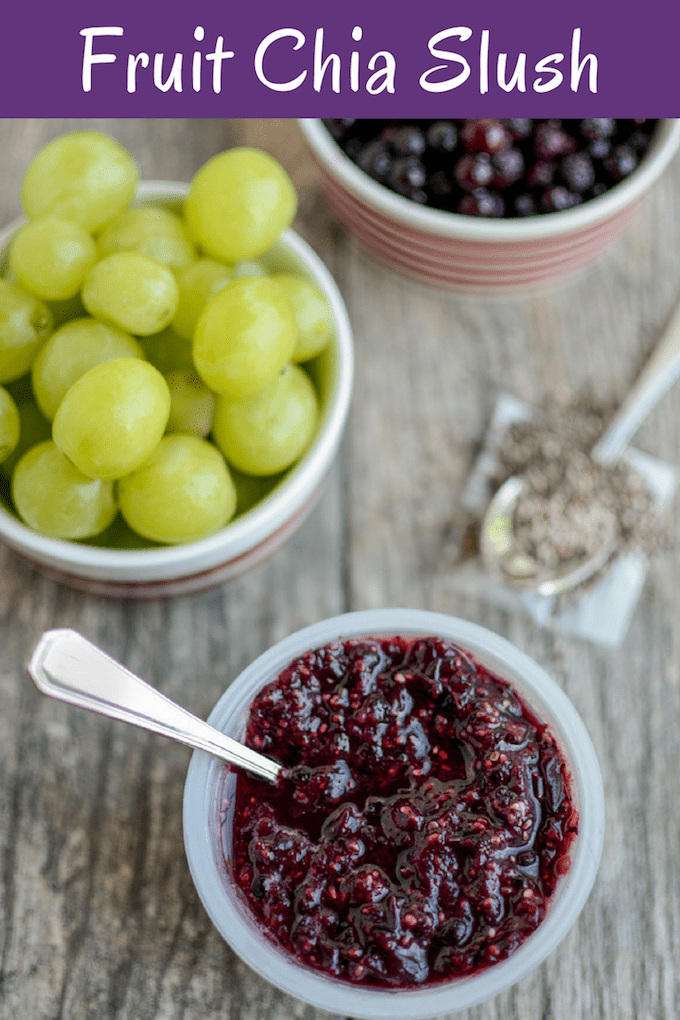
pixel 128 58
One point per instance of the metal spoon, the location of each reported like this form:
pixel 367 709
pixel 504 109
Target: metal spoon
pixel 497 546
pixel 67 666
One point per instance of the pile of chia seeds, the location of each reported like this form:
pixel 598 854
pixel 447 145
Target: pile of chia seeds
pixel 570 505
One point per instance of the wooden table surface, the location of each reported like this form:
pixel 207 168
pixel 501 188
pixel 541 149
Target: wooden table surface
pixel 98 915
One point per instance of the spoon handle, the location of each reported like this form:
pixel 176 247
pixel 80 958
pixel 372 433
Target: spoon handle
pixel 658 375
pixel 67 666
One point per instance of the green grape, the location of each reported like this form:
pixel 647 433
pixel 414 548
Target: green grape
pixel 183 493
pixel 197 283
pixel 6 495
pixel 251 489
pixel 239 204
pixel 244 337
pixel 167 351
pixel 20 389
pixel 84 176
pixel 10 424
pixel 249 268
pixel 119 535
pixel 265 433
pixel 25 323
pixel 64 311
pixel 191 403
pixel 131 291
pixel 113 417
pixel 50 257
pixel 155 232
pixel 70 352
pixel 34 428
pixel 312 314
pixel 55 499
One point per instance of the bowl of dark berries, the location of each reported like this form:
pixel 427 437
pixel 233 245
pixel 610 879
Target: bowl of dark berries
pixel 435 830
pixel 488 205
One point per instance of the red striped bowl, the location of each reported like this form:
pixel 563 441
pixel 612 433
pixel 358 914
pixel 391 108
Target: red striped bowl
pixel 468 253
pixel 248 539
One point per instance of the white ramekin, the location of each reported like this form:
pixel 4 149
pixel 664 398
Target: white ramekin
pixel 252 537
pixel 470 253
pixel 208 809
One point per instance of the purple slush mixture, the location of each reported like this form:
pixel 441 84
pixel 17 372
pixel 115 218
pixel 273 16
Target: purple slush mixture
pixel 422 821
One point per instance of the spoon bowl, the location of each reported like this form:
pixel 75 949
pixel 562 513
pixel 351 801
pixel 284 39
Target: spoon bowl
pixel 506 563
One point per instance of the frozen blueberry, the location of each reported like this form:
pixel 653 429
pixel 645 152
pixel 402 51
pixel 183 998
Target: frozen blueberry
pixel 474 170
pixel 442 136
pixel 485 135
pixel 406 141
pixel 481 202
pixel 508 167
pixel 577 171
pixel 621 162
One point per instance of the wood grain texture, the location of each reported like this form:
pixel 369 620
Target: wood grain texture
pixel 98 915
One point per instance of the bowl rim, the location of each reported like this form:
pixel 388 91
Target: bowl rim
pixel 257 523
pixel 204 788
pixel 664 144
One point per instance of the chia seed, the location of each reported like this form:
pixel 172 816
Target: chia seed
pixel 571 505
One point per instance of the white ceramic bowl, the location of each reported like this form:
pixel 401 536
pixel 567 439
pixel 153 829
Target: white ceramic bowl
pixel 255 535
pixel 208 811
pixel 469 253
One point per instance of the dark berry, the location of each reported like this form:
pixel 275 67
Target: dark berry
pixel 508 167
pixel 407 174
pixel 339 128
pixel 541 174
pixel 557 198
pixel 442 136
pixel 597 128
pixel 525 204
pixel 481 202
pixel 519 127
pixel 551 140
pixel 599 148
pixel 406 141
pixel 375 159
pixel 577 171
pixel 621 162
pixel 639 140
pixel 474 170
pixel 485 135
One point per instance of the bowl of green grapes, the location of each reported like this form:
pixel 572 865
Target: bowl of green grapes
pixel 176 369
